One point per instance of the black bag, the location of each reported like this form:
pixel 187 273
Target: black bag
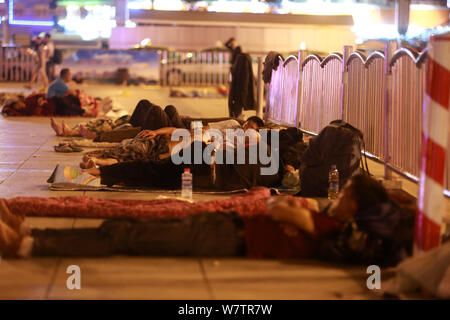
pixel 57 56
pixel 338 144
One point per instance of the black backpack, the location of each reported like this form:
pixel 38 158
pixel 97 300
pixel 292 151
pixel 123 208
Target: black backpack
pixel 57 56
pixel 338 144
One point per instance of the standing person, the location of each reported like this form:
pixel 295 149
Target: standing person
pixel 242 87
pixel 50 65
pixel 41 63
pixel 235 49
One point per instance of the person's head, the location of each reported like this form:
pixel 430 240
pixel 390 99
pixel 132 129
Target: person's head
pixel 47 37
pixel 253 123
pixel 15 104
pixel 360 193
pixel 65 75
pixel 231 43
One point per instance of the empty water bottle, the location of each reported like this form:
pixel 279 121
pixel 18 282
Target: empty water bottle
pixel 333 183
pixel 186 184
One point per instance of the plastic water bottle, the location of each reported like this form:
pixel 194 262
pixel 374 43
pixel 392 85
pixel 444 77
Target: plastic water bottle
pixel 186 184
pixel 333 183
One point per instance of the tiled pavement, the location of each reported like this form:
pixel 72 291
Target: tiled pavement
pixel 26 161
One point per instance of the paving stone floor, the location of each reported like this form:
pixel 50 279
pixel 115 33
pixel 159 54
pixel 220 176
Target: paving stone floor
pixel 26 161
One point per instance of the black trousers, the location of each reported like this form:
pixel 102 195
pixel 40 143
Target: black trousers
pixel 146 116
pixel 67 106
pixel 208 234
pixel 50 69
pixel 149 116
pixel 160 174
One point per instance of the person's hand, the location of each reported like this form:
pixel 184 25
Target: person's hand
pixel 149 134
pixel 92 171
pixel 71 92
pixel 290 230
pixel 280 208
pixel 288 210
pixel 283 201
pixel 290 168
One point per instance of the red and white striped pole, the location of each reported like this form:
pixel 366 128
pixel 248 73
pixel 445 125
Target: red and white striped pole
pixel 435 132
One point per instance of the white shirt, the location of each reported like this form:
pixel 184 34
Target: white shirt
pixel 230 141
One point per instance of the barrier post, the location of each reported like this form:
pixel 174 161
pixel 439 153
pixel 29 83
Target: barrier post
pixel 434 145
pixel 346 51
pixel 260 89
pixel 389 49
pixel 302 54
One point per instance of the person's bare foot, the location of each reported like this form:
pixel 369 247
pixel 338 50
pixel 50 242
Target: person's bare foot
pixel 86 133
pixel 87 162
pixel 58 129
pixel 105 162
pixel 12 220
pixel 9 240
pixel 67 132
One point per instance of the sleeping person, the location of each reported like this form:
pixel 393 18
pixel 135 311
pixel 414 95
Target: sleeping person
pixel 153 145
pixel 361 226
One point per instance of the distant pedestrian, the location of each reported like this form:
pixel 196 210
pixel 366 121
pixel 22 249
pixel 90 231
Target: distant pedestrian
pixel 41 58
pixel 50 65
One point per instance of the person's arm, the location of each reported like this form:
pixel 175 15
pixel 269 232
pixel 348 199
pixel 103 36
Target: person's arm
pixel 153 133
pixel 299 217
pixel 289 211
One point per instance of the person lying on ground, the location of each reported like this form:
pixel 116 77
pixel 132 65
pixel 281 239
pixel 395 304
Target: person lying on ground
pixel 38 104
pixel 289 229
pixel 90 129
pixel 154 145
pixel 166 171
pixel 35 104
pixel 148 116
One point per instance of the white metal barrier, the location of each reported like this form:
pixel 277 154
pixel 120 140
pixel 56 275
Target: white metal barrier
pixel 16 64
pixel 320 101
pixel 289 91
pixel 381 94
pixel 194 68
pixel 274 99
pixel 405 105
pixel 364 98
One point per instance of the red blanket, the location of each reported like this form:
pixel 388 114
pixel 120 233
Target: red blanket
pixel 251 203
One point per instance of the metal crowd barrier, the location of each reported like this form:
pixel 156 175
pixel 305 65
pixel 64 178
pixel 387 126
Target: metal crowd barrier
pixel 16 64
pixel 381 94
pixel 320 76
pixel 274 98
pixel 289 91
pixel 407 74
pixel 187 68
pixel 364 98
